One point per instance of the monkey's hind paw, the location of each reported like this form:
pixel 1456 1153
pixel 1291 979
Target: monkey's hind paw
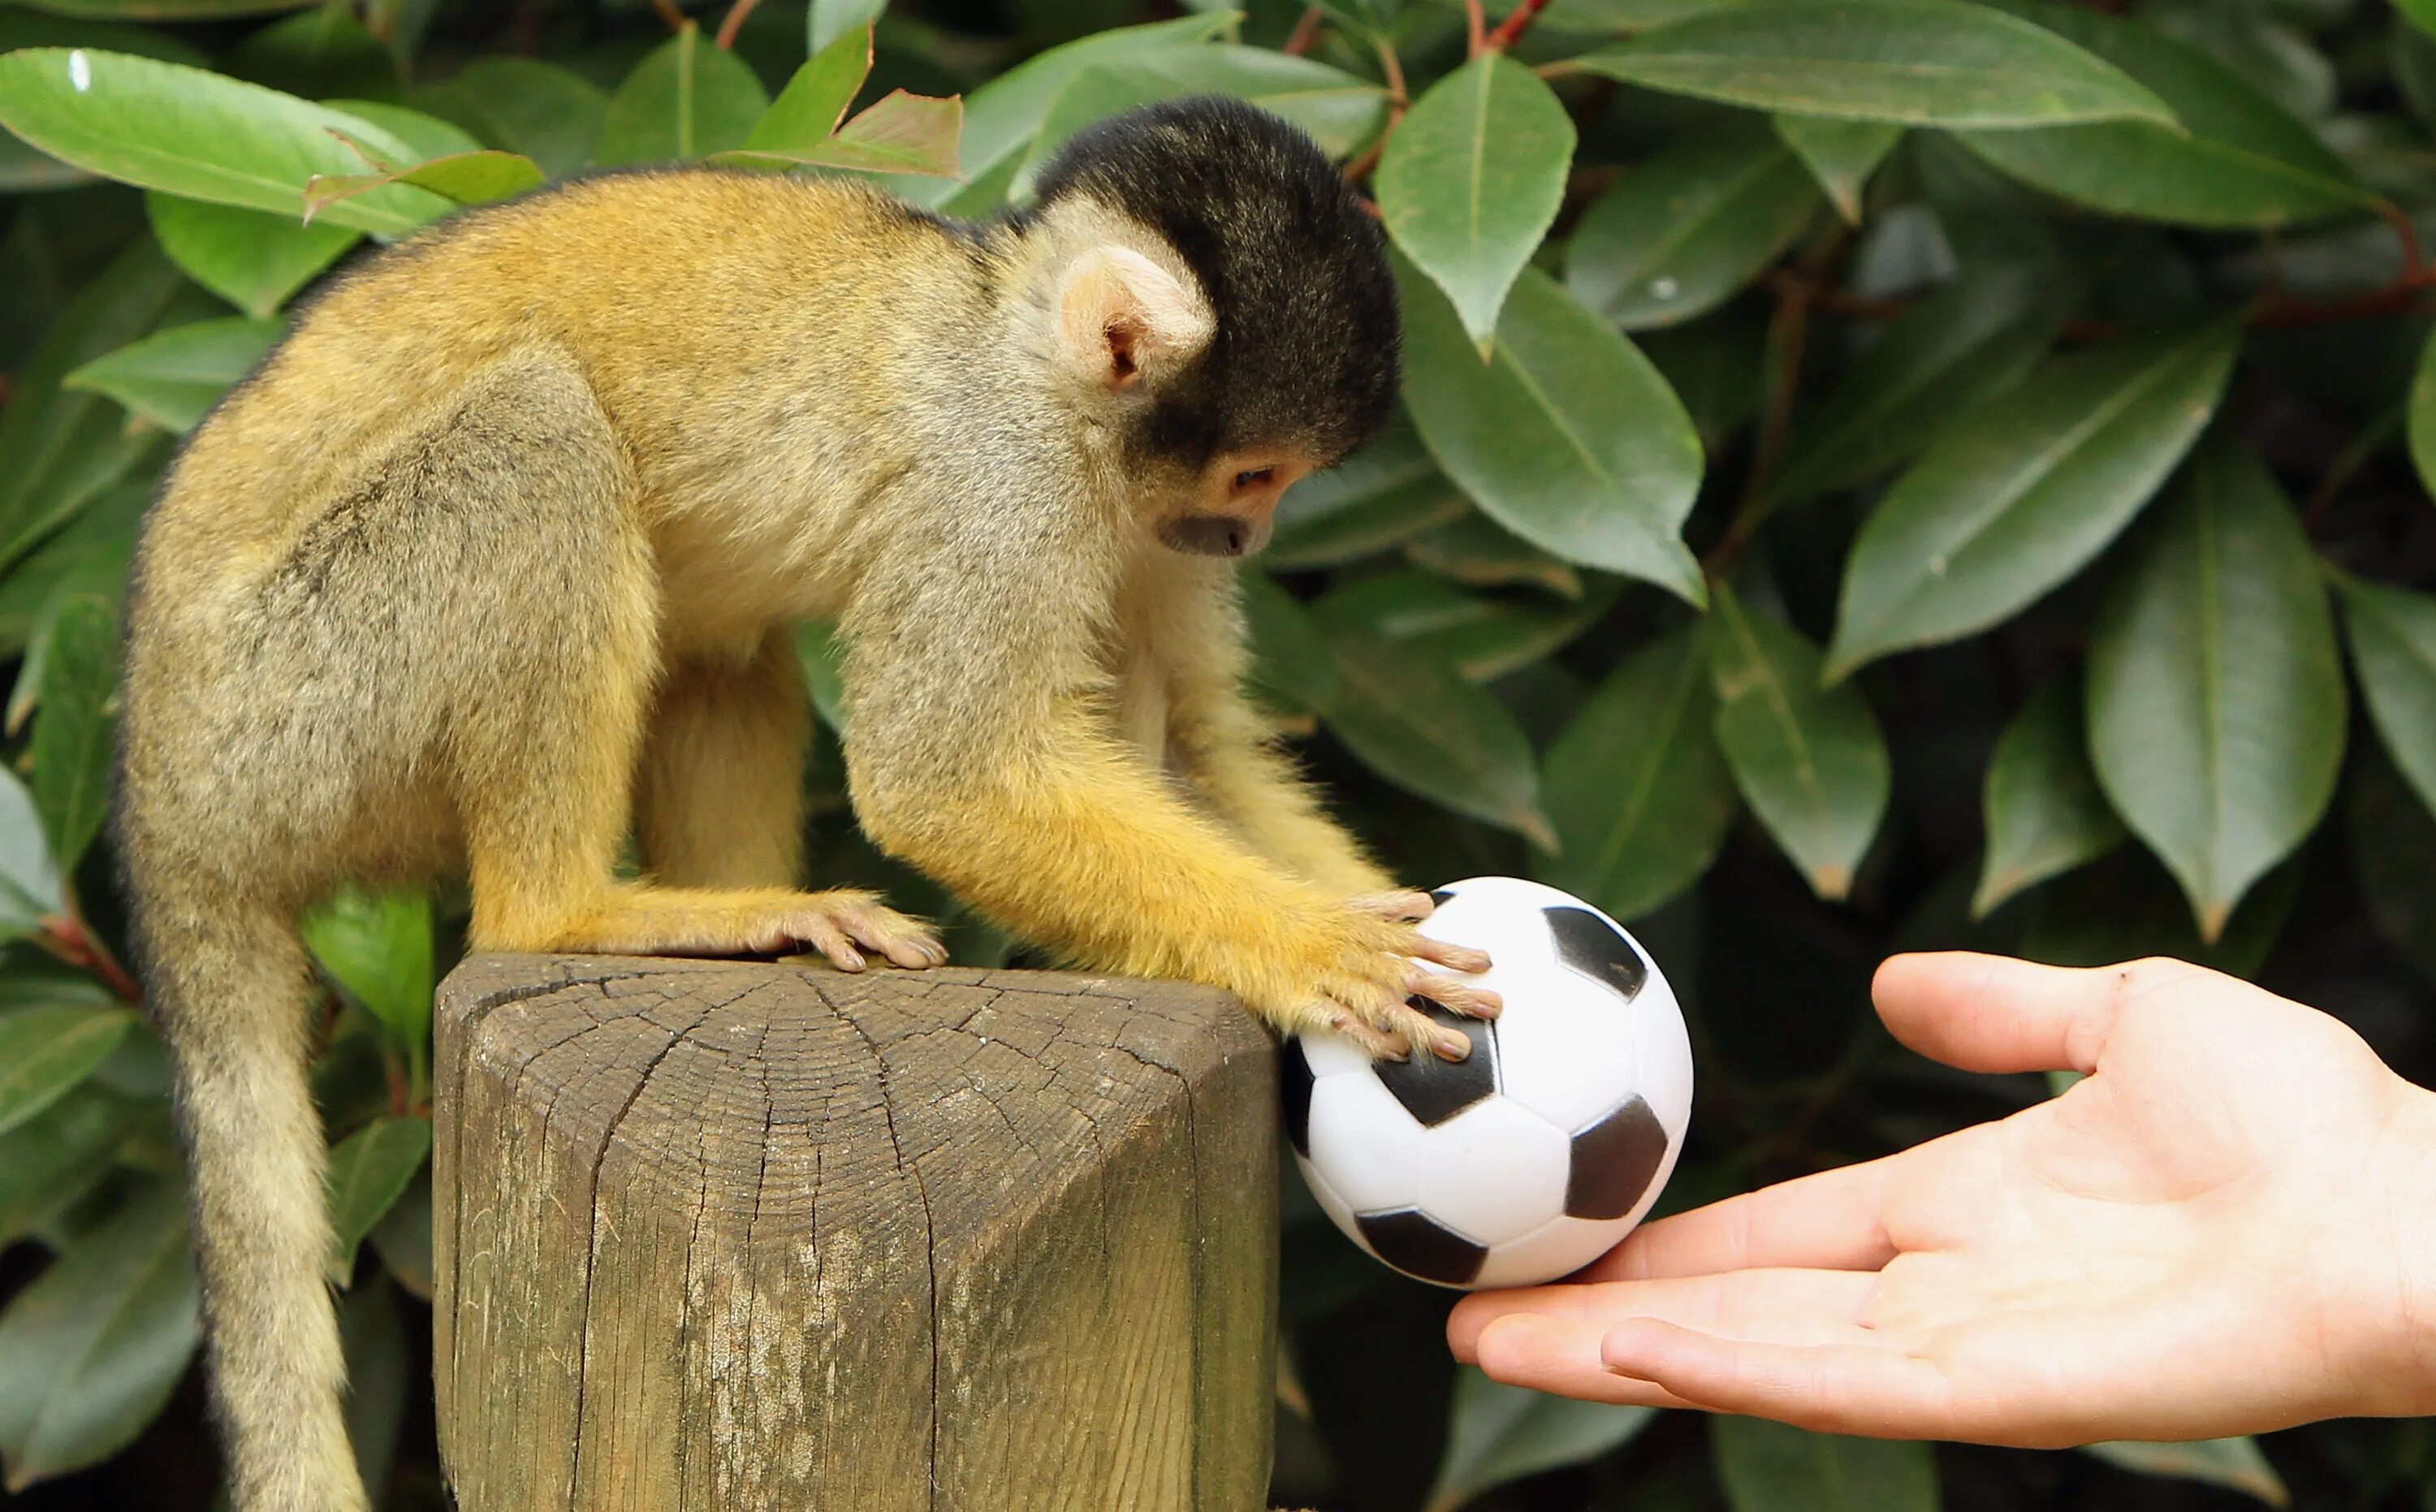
pixel 834 925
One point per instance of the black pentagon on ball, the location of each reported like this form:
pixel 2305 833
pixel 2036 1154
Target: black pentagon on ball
pixel 1615 1160
pixel 1597 949
pixel 1293 1094
pixel 1413 1242
pixel 1433 1090
pixel 1439 895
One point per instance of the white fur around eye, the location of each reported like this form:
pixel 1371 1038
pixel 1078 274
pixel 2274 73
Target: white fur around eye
pixel 1111 287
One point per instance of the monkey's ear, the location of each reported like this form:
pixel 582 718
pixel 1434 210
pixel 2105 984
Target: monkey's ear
pixel 1120 313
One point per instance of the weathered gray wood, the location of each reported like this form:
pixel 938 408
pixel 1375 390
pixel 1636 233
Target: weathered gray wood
pixel 776 1239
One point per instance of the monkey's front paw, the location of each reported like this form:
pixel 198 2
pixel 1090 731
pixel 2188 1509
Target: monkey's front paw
pixel 842 925
pixel 1374 997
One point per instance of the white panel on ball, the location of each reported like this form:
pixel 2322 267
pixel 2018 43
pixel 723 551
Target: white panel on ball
pixel 1494 1173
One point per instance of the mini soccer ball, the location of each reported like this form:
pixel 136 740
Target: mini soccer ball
pixel 1533 1156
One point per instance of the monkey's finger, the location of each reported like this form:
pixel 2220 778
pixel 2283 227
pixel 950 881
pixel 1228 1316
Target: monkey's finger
pixel 1454 997
pixel 830 941
pixel 1453 957
pixel 1405 907
pixel 903 941
pixel 1376 1043
pixel 1422 1031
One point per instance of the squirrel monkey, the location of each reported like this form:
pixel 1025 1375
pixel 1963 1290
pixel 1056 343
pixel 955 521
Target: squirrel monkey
pixel 497 551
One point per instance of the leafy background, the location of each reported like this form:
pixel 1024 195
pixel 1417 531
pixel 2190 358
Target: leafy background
pixel 1874 474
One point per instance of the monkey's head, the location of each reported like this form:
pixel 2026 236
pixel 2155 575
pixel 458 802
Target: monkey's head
pixel 1222 309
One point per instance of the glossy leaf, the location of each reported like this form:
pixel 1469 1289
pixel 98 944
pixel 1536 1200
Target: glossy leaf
pixel 1840 155
pixel 2234 1464
pixel 830 20
pixel 169 10
pixel 1291 661
pixel 2044 810
pixel 1686 229
pixel 526 106
pixel 1771 1467
pixel 369 1171
pixel 1567 436
pixel 1637 785
pixel 1472 180
pixel 814 105
pixel 163 126
pixel 30 880
pixel 1420 726
pixel 424 136
pixel 2216 699
pixel 900 133
pixel 90 1352
pixel 1917 62
pixel 173 378
pixel 55 1157
pixel 1481 637
pixel 2023 493
pixel 1002 116
pixel 2421 413
pixel 822 657
pixel 1498 1433
pixel 1478 553
pixel 403 1237
pixel 378 1371
pixel 687 99
pixel 73 734
pixel 61 447
pixel 321 54
pixel 1942 359
pixel 2239 161
pixel 1385 494
pixel 377 945
pixel 2393 846
pixel 1715 366
pixel 96 574
pixel 1809 759
pixel 463 177
pixel 253 259
pixel 2392 634
pixel 47 1050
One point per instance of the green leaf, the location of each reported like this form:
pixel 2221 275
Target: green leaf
pixel 1637 785
pixel 2045 812
pixel 1715 366
pixel 424 136
pixel 2393 849
pixel 1769 1467
pixel 98 575
pixel 2392 634
pixel 2420 14
pixel 2023 493
pixel 1420 726
pixel 1478 553
pixel 1472 181
pixel 251 258
pixel 1384 494
pixel 822 655
pixel 523 105
pixel 685 99
pixel 58 447
pixel 465 178
pixel 2216 699
pixel 810 110
pixel 1917 62
pixel 830 20
pixel 30 880
pixel 1567 437
pixel 1339 110
pixel 55 1157
pixel 1498 1433
pixel 165 10
pixel 1002 116
pixel 902 133
pixel 45 1052
pixel 369 1171
pixel 378 1358
pixel 1942 358
pixel 1481 637
pixel 1809 759
pixel 1688 228
pixel 90 1352
pixel 84 26
pixel 72 737
pixel 1841 155
pixel 2234 1464
pixel 1291 661
pixel 377 945
pixel 2239 161
pixel 163 126
pixel 323 53
pixel 173 378
pixel 403 1236
pixel 2421 410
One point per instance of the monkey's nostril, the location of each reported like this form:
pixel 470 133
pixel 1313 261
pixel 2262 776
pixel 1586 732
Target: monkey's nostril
pixel 1237 538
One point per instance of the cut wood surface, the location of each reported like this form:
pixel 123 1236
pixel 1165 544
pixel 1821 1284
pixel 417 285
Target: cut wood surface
pixel 776 1237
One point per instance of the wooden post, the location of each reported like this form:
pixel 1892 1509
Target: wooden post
pixel 777 1239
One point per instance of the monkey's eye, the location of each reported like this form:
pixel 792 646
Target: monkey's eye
pixel 1252 478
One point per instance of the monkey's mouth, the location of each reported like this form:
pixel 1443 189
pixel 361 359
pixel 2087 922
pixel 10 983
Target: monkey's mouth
pixel 1214 535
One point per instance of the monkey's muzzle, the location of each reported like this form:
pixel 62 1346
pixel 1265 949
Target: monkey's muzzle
pixel 1214 536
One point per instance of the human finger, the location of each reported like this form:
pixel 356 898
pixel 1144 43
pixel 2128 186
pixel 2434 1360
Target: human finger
pixel 1788 1306
pixel 1561 1355
pixel 1870 1389
pixel 1829 1221
pixel 1989 1012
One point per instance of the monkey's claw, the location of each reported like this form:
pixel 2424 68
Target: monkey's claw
pixel 845 925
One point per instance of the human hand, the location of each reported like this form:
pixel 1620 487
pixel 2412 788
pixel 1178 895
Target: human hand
pixel 2229 1225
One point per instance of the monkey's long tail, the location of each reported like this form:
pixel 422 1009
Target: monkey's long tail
pixel 231 987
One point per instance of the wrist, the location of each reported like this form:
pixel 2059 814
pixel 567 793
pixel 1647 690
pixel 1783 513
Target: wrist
pixel 2400 1378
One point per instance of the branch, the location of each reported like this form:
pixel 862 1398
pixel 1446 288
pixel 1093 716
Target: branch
pixel 670 14
pixel 734 21
pixel 65 936
pixel 1476 29
pixel 1305 33
pixel 1393 68
pixel 1511 29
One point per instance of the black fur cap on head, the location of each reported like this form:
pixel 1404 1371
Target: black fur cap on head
pixel 1295 269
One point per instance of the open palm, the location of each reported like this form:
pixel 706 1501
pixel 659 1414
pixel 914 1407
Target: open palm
pixel 2224 1227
